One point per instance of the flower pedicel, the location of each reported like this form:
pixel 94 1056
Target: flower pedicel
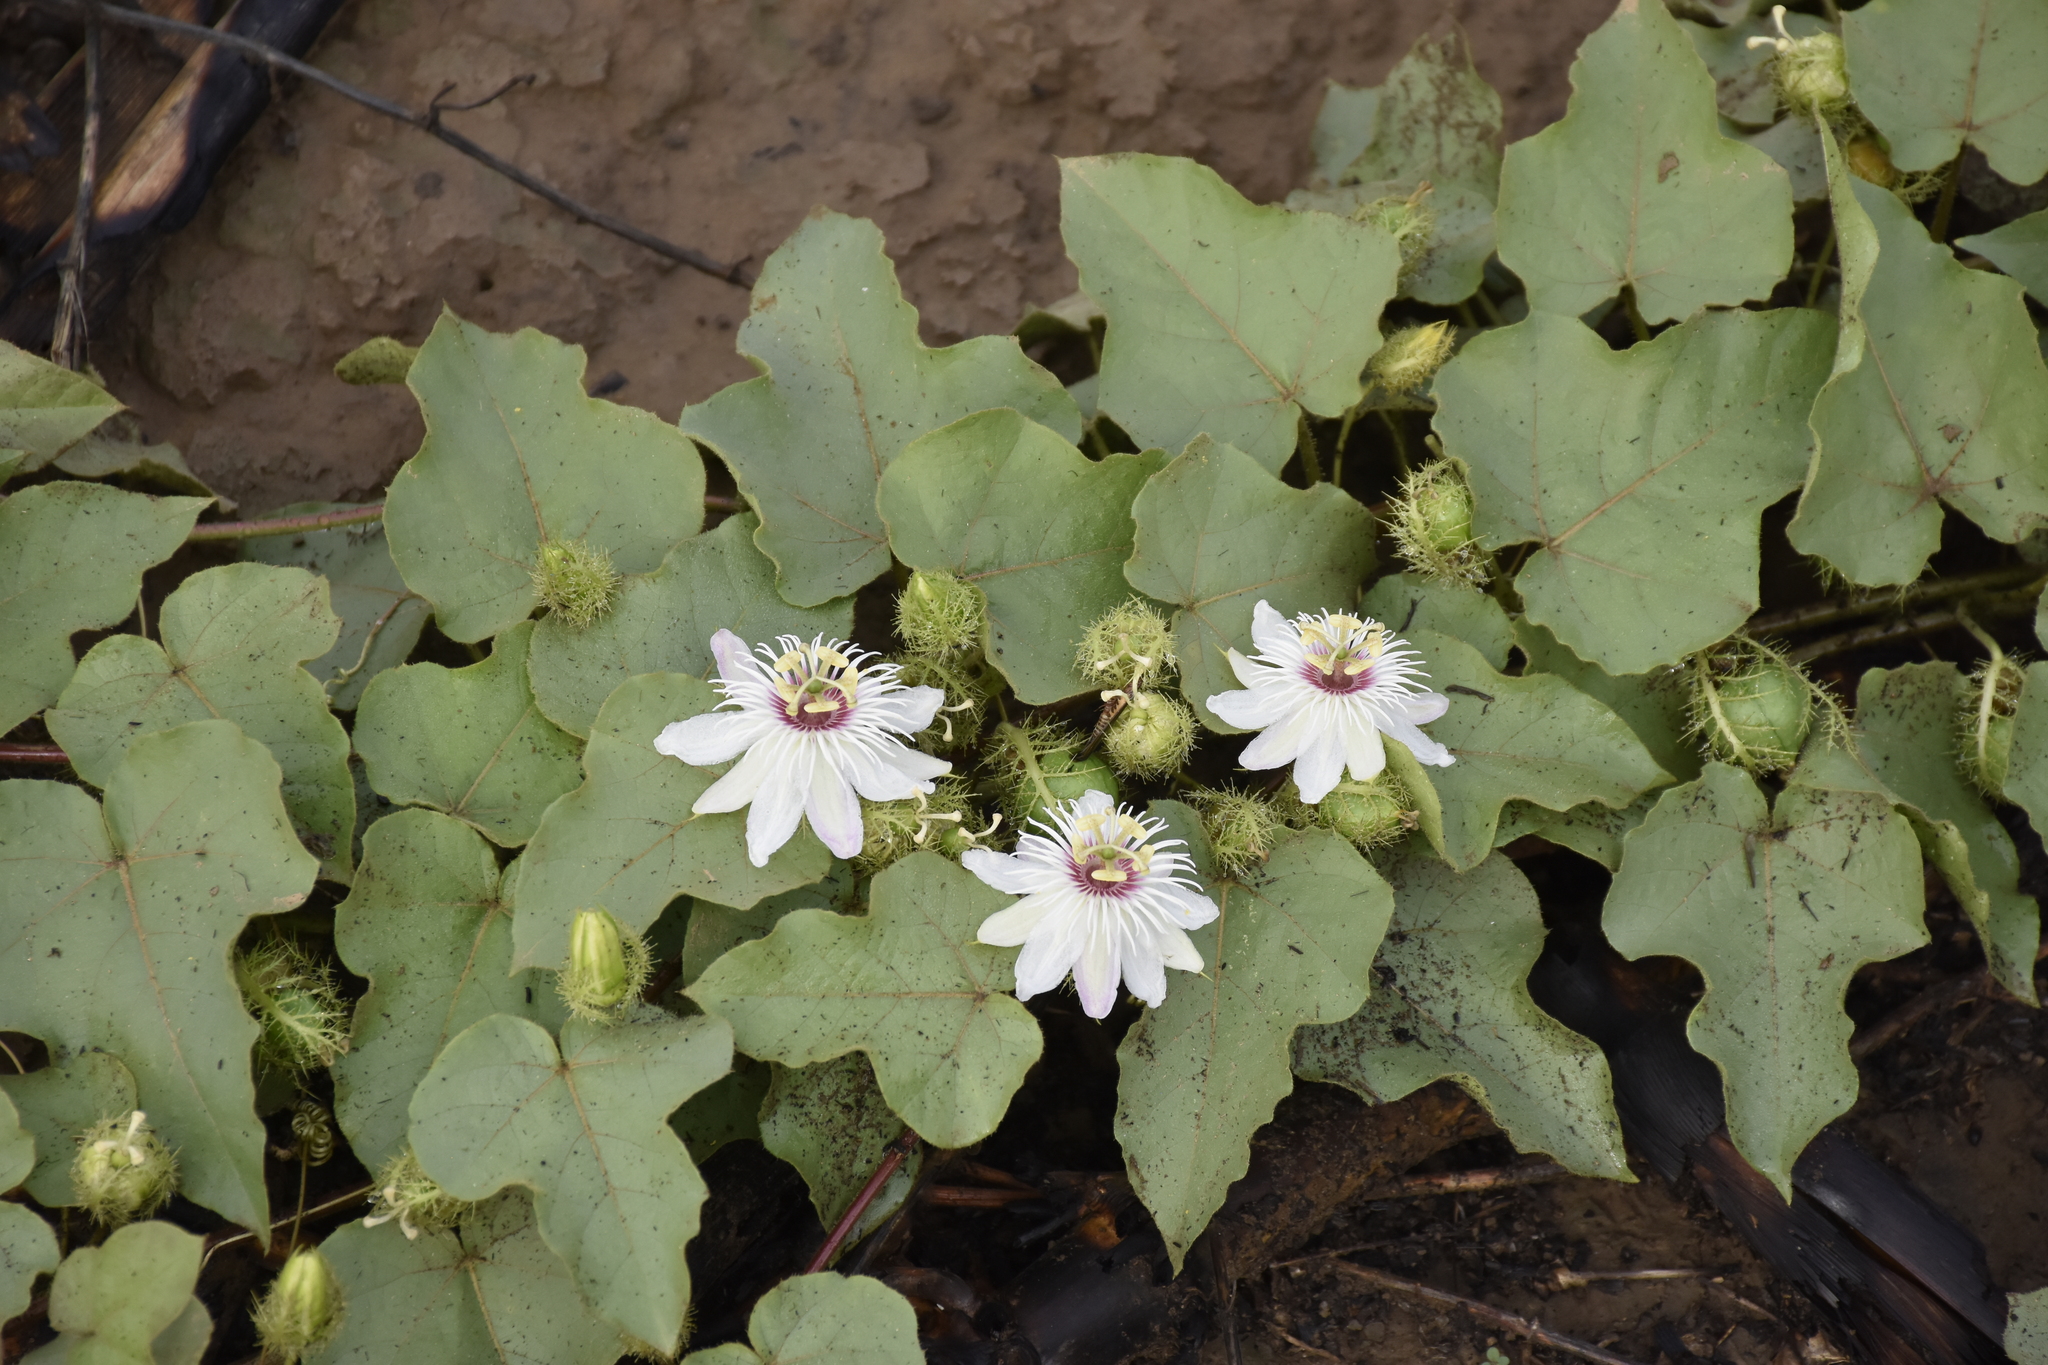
pixel 816 724
pixel 1322 691
pixel 1104 897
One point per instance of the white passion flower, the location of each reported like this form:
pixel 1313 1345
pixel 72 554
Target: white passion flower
pixel 1322 691
pixel 1103 898
pixel 817 723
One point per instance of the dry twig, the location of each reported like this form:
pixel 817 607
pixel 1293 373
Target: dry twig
pixel 1486 1313
pixel 67 343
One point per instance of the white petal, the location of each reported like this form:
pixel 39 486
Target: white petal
pixel 833 808
pixel 763 763
pixel 1093 802
pixel 735 661
pixel 711 738
pixel 918 766
pixel 1178 951
pixel 907 711
pixel 1008 872
pixel 1319 765
pixel 1145 974
pixel 1008 928
pixel 1362 749
pixel 882 769
pixel 1254 709
pixel 1425 707
pixel 1424 748
pixel 777 807
pixel 1191 909
pixel 1049 954
pixel 1099 968
pixel 1278 745
pixel 1251 672
pixel 1274 634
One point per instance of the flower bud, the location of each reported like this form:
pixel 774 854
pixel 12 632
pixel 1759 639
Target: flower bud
pixel 302 1309
pixel 406 1192
pixel 1431 523
pixel 574 581
pixel 607 966
pixel 1369 814
pixel 1128 646
pixel 123 1171
pixel 1994 698
pixel 1405 218
pixel 1151 737
pixel 959 719
pixel 939 614
pixel 1811 73
pixel 1410 358
pixel 303 1021
pixel 1241 829
pixel 1751 706
pixel 380 360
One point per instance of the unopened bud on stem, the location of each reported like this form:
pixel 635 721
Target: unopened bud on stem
pixel 1410 358
pixel 1751 706
pixel 575 581
pixel 607 966
pixel 938 614
pixel 302 1309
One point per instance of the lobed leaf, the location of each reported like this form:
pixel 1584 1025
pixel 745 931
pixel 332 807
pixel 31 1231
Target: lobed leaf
pixel 586 1129
pixel 844 385
pixel 1777 905
pixel 515 455
pixel 1216 535
pixel 45 408
pixel 1452 1002
pixel 1936 75
pixel 2019 248
pixel 907 984
pixel 233 641
pixel 830 1121
pixel 1041 529
pixel 470 742
pixel 850 1320
pixel 1225 317
pixel 1201 1073
pixel 381 618
pixel 116 924
pixel 1655 705
pixel 1636 188
pixel 112 1303
pixel 1405 601
pixel 1435 119
pixel 1640 475
pixel 58 1103
pixel 28 1248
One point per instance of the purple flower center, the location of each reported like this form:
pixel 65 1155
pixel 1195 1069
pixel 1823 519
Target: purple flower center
pixel 1337 681
pixel 1105 870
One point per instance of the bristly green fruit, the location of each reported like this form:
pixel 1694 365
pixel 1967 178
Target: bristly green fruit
pixel 1406 218
pixel 938 614
pixel 303 1309
pixel 1811 73
pixel 945 822
pixel 1037 769
pixel 1750 706
pixel 1410 358
pixel 608 966
pixel 1370 814
pixel 292 995
pixel 1151 737
pixel 1241 828
pixel 123 1171
pixel 1987 722
pixel 407 1193
pixel 1431 523
pixel 1128 647
pixel 575 582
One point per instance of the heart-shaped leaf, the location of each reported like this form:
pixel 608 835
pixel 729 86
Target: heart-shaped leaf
pixel 851 1320
pixel 1655 705
pixel 111 1303
pixel 907 984
pixel 28 1245
pixel 1934 75
pixel 516 456
pixel 1225 317
pixel 845 384
pixel 116 924
pixel 1040 528
pixel 586 1129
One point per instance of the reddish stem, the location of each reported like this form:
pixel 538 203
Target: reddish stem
pixel 32 753
pixel 901 1148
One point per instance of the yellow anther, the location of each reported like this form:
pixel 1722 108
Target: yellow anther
pixel 1108 874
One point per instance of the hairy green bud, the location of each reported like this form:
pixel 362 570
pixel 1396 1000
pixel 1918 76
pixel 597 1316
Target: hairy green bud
pixel 1127 646
pixel 939 614
pixel 407 1193
pixel 1241 828
pixel 1431 523
pixel 1151 737
pixel 958 722
pixel 574 581
pixel 1408 219
pixel 304 1022
pixel 608 966
pixel 945 822
pixel 1751 706
pixel 302 1310
pixel 1811 73
pixel 1370 814
pixel 1036 767
pixel 123 1171
pixel 1986 721
pixel 380 360
pixel 1410 358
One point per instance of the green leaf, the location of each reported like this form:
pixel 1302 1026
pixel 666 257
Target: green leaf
pixel 1452 1003
pixel 1947 403
pixel 57 1104
pixel 1452 261
pixel 2026 782
pixel 727 1110
pixel 2020 249
pixel 470 742
pixel 28 1248
pixel 1591 829
pixel 494 1295
pixel 1640 474
pixel 2026 1333
pixel 1654 705
pixel 586 1129
pixel 44 407
pixel 1198 1075
pixel 1534 738
pixel 1040 528
pixel 1906 719
pixel 515 455
pixel 1225 317
pixel 663 623
pixel 17 1148
pixel 1344 129
pixel 1436 119
pixel 156 467
pixel 1404 601
pixel 829 1120
pixel 1636 188
pixel 845 384
pixel 233 640
pixel 1217 535
pixel 427 923
pixel 907 984
pixel 627 840
pixel 1936 74
pixel 1777 908
pixel 116 925
pixel 71 559
pixel 110 1302
pixel 849 1320
pixel 380 617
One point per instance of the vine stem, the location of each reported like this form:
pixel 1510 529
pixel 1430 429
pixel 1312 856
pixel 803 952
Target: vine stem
pixel 1947 203
pixel 351 516
pixel 1927 623
pixel 898 1151
pixel 32 753
pixel 1827 613
pixel 1311 459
